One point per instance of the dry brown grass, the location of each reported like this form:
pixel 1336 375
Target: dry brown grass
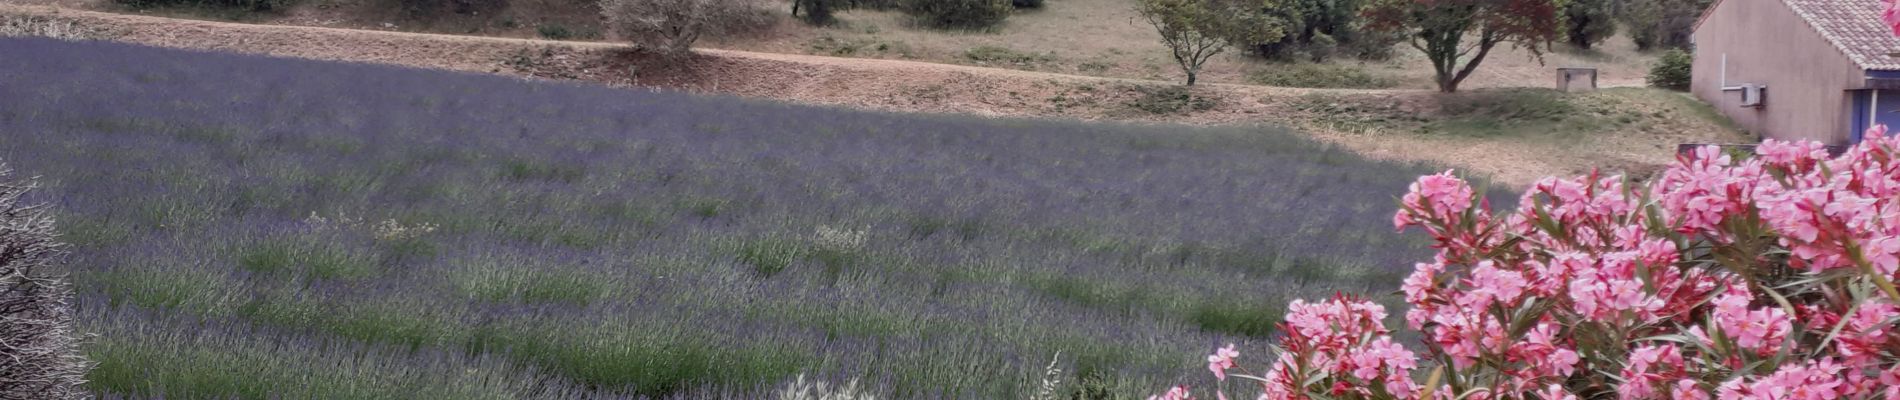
pixel 1105 38
pixel 1081 37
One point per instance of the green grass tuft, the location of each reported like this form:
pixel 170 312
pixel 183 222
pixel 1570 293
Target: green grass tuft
pixel 1323 76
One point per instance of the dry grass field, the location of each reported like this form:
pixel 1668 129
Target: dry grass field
pixel 1106 38
pixel 1081 37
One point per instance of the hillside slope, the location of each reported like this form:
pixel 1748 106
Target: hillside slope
pixel 1412 125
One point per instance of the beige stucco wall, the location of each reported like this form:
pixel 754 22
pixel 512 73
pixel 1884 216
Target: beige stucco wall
pixel 1767 44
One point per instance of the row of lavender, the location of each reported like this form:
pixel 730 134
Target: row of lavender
pixel 258 227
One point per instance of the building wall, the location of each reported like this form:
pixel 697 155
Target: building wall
pixel 1767 44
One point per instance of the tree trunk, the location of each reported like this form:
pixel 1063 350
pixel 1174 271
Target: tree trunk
pixel 1191 76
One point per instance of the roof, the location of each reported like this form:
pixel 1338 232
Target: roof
pixel 1853 26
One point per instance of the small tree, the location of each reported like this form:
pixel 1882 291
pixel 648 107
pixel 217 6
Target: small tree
pixel 671 26
pixel 39 354
pixel 1439 29
pixel 1196 30
pixel 1671 71
pixel 1588 22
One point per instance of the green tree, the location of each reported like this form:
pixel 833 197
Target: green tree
pixel 1671 71
pixel 1661 23
pixel 1588 22
pixel 1316 29
pixel 1439 29
pixel 1197 30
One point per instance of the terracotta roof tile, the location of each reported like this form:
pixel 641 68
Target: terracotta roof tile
pixel 1855 28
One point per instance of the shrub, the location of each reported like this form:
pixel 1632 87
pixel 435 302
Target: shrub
pixel 1672 70
pixel 957 14
pixel 1170 99
pixel 1004 55
pixel 36 318
pixel 554 31
pixel 1320 76
pixel 1369 45
pixel 671 26
pixel 1769 277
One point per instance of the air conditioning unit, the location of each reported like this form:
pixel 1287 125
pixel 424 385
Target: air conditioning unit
pixel 1752 95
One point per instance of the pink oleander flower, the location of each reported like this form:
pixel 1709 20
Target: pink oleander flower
pixel 1489 285
pixel 1221 360
pixel 1687 389
pixel 1890 13
pixel 1649 367
pixel 1174 393
pixel 1866 332
pixel 1814 380
pixel 1555 392
pixel 1422 282
pixel 1761 329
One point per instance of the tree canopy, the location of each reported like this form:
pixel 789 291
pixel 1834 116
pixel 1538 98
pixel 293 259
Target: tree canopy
pixel 1439 28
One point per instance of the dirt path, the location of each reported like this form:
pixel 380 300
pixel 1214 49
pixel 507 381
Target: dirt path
pixel 892 85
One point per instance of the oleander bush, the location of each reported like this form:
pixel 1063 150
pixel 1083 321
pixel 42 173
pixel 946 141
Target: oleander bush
pixel 1761 278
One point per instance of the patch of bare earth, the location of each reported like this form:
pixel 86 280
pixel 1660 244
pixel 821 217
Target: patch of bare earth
pixel 908 86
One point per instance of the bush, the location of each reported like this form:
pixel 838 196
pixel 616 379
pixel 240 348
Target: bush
pixel 554 31
pixel 1320 76
pixel 1370 45
pixel 1672 70
pixel 957 14
pixel 1759 278
pixel 1170 100
pixel 36 320
pixel 1026 3
pixel 1005 55
pixel 671 26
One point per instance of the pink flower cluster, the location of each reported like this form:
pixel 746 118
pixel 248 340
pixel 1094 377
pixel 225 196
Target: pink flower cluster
pixel 1723 277
pixel 1346 341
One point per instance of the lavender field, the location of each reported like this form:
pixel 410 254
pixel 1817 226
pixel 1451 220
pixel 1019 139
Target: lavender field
pixel 254 227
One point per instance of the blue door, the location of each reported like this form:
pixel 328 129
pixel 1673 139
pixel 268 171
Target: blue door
pixel 1875 107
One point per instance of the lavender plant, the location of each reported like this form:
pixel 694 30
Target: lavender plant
pixel 629 243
